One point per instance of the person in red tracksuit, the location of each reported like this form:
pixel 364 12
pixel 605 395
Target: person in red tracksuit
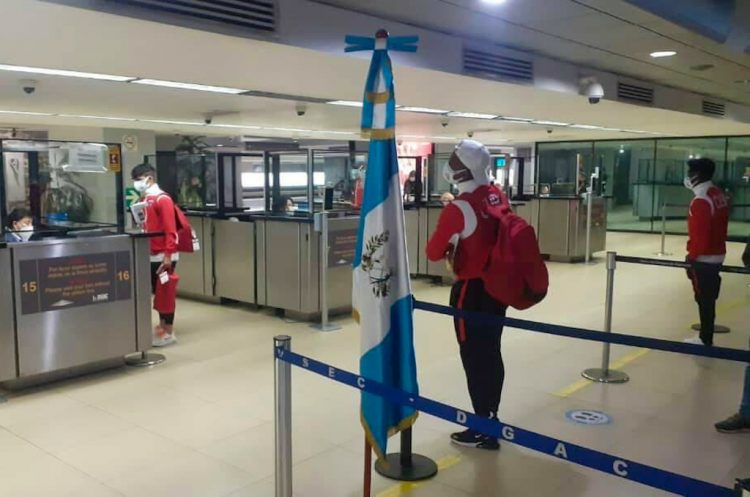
pixel 465 236
pixel 708 218
pixel 160 218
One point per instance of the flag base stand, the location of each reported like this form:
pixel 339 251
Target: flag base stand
pixel 405 466
pixel 717 328
pixel 145 359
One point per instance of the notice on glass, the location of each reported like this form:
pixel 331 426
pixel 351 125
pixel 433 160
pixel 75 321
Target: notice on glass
pixel 68 282
pixel 343 245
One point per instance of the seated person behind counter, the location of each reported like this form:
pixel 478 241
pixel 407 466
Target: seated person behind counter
pixel 20 226
pixel 284 204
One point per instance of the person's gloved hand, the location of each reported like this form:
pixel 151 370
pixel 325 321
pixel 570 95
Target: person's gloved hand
pixel 689 271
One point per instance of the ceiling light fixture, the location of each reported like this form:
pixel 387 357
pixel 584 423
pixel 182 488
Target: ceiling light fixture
pixel 515 119
pixel 346 103
pixel 550 123
pixel 24 113
pixel 237 126
pixel 586 126
pixel 178 123
pixel 494 2
pixel 105 118
pixel 472 115
pixel 422 110
pixel 663 53
pixel 188 86
pixel 61 72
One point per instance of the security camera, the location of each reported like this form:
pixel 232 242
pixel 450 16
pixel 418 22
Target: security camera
pixel 592 89
pixel 208 119
pixel 444 122
pixel 301 109
pixel 29 85
pixel 470 134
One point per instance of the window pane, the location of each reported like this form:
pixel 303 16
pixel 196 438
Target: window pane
pixel 564 168
pixel 737 181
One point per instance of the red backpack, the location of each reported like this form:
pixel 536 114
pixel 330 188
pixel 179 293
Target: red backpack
pixel 515 273
pixel 187 240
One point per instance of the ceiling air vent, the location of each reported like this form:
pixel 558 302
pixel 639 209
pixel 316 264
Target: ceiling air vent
pixel 635 93
pixel 253 14
pixel 713 109
pixel 497 66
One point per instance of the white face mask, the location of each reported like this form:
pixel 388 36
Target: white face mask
pixel 688 182
pixel 25 232
pixel 140 185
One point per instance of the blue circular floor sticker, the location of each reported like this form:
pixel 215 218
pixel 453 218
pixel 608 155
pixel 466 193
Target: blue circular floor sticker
pixel 588 417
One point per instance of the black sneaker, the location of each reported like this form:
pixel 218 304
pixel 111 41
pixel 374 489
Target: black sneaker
pixel 471 438
pixel 735 424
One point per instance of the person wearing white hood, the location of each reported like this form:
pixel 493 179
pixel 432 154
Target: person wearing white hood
pixel 465 236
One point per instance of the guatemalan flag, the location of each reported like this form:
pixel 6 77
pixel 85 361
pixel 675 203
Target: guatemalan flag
pixel 382 297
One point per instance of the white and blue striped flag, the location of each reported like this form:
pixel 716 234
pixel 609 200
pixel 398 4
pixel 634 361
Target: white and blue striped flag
pixel 382 297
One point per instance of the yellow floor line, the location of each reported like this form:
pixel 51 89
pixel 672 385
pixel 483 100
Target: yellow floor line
pixel 406 487
pixel 623 361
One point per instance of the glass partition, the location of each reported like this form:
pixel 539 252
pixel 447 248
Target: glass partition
pixel 643 179
pixel 625 169
pixel 63 184
pixel 564 168
pixel 737 181
pixel 667 192
pixel 288 183
pixel 196 181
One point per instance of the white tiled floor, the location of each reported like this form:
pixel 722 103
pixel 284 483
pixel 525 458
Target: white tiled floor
pixel 201 424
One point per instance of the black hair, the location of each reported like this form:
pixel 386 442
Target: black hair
pixel 702 168
pixel 141 170
pixel 281 202
pixel 17 214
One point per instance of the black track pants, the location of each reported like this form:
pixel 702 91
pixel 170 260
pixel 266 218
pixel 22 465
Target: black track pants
pixel 480 346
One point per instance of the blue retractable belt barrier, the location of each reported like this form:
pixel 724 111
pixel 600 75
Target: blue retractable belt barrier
pixel 680 264
pixel 629 470
pixel 584 334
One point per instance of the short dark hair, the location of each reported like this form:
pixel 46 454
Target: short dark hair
pixel 17 214
pixel 141 170
pixel 281 203
pixel 703 168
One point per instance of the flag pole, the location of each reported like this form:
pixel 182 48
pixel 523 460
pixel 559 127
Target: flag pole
pixel 368 469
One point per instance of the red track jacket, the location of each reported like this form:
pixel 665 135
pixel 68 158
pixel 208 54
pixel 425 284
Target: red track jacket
pixel 160 218
pixel 708 218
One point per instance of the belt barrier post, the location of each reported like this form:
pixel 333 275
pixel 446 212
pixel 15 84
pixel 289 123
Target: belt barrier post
pixel 322 227
pixel 589 207
pixel 663 252
pixel 283 418
pixel 405 465
pixel 604 374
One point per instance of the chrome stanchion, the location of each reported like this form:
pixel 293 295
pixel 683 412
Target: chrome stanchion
pixel 663 252
pixel 322 227
pixel 144 359
pixel 283 417
pixel 604 374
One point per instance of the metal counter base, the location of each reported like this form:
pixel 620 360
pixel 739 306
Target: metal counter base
pixel 75 305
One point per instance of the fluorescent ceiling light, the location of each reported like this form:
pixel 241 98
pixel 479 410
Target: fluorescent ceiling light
pixel 494 2
pixel 179 123
pixel 515 119
pixel 446 138
pixel 586 126
pixel 294 130
pixel 237 126
pixel 550 123
pixel 106 118
pixel 61 72
pixel 472 115
pixel 346 103
pixel 663 53
pixel 423 110
pixel 339 132
pixel 24 113
pixel 188 86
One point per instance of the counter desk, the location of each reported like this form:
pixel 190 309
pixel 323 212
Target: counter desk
pixel 561 226
pixel 72 305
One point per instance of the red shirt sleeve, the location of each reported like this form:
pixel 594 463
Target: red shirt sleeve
pixel 451 222
pixel 699 228
pixel 165 211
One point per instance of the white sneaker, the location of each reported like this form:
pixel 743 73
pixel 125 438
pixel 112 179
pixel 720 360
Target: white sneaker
pixel 164 340
pixel 694 341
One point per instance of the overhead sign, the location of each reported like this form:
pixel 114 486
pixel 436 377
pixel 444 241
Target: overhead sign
pixel 588 417
pixel 67 282
pixel 115 158
pixel 501 161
